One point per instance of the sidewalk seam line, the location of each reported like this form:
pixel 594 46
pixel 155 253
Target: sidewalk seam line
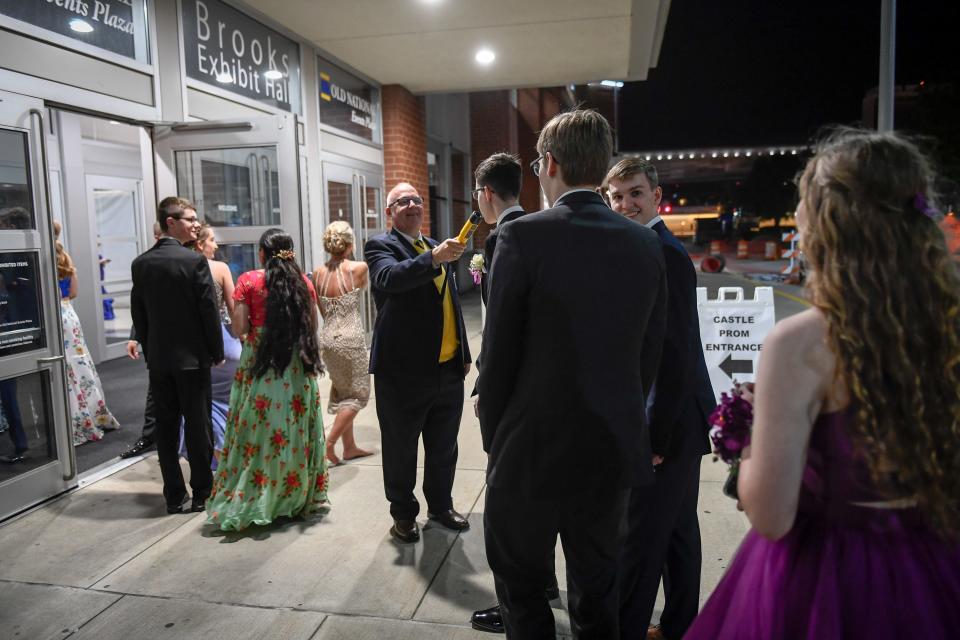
pixel 99 613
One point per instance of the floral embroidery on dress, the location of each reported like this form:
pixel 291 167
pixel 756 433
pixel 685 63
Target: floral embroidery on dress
pixel 89 414
pixel 274 445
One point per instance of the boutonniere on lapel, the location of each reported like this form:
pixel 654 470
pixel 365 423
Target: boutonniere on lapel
pixel 477 267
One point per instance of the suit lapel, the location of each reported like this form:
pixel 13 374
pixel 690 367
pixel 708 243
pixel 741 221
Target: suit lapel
pixel 412 252
pixel 403 243
pixel 446 267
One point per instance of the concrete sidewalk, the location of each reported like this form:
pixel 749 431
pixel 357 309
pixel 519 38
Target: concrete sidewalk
pixel 106 562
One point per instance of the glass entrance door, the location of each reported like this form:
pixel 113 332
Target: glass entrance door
pixel 243 177
pixel 36 449
pixel 356 196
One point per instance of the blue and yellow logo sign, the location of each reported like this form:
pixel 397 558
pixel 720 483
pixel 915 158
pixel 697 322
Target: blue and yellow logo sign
pixel 325 92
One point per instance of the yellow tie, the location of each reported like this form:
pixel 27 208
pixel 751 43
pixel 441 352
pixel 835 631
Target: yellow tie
pixel 450 343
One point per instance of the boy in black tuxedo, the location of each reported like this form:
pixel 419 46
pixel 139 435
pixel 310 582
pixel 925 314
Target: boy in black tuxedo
pixel 177 321
pixel 571 347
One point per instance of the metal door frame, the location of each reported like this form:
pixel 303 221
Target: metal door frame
pixel 360 178
pixel 27 115
pixel 279 131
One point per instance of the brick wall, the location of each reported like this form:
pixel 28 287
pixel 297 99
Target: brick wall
pixel 405 144
pixel 496 125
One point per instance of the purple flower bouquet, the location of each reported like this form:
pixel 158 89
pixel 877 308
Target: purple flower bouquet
pixel 730 425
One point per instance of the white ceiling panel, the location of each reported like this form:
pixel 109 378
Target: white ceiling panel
pixel 429 45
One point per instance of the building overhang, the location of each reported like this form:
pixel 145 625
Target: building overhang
pixel 430 45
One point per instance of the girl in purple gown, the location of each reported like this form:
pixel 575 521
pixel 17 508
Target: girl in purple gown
pixel 852 480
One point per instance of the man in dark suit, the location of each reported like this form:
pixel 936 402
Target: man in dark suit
pixel 419 358
pixel 175 315
pixel 571 347
pixel 147 438
pixel 498 180
pixel 664 534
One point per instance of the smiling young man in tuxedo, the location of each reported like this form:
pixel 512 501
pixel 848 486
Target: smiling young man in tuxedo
pixel 664 534
pixel 571 346
pixel 419 358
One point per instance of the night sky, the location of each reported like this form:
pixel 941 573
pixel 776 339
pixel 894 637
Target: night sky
pixel 756 72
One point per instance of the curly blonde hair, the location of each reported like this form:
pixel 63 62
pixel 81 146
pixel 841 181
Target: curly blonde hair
pixel 338 238
pixel 890 292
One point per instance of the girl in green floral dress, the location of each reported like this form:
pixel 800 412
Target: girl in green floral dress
pixel 273 462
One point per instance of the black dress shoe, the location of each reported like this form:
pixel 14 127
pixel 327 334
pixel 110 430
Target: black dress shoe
pixel 197 506
pixel 488 620
pixel 19 456
pixel 178 508
pixel 405 530
pixel 450 519
pixel 139 447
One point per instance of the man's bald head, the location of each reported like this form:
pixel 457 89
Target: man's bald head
pixel 401 186
pixel 405 208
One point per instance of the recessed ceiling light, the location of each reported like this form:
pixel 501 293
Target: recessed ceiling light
pixel 81 26
pixel 272 74
pixel 616 84
pixel 114 122
pixel 224 77
pixel 485 56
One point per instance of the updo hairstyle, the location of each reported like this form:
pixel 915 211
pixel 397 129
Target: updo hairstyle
pixel 338 238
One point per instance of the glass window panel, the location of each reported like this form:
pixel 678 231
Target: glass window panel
pixel 114 211
pixel 16 197
pixel 26 423
pixel 21 315
pixel 119 26
pixel 231 187
pixel 116 215
pixel 239 257
pixel 340 201
pixel 373 216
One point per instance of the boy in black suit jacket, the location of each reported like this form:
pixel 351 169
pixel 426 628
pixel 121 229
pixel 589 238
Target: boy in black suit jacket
pixel 664 534
pixel 570 349
pixel 498 180
pixel 177 321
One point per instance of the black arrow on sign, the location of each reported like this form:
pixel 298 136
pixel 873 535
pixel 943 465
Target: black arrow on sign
pixel 730 366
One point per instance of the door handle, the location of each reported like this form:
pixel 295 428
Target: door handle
pixel 49 359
